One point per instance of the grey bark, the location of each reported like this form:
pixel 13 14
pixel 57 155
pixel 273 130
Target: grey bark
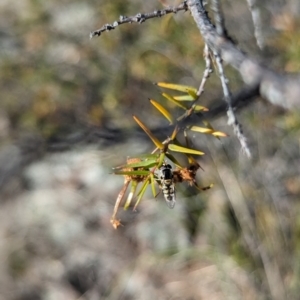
pixel 278 89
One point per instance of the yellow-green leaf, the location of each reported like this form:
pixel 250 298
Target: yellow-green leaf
pixel 161 160
pixel 173 160
pixel 191 160
pixel 153 185
pixel 162 110
pixel 134 185
pixel 141 164
pixel 207 124
pixel 215 133
pixel 181 149
pixel 141 193
pixel 219 133
pixel 157 143
pixel 132 173
pixel 147 156
pixel 201 129
pixel 193 94
pixel 178 103
pixel 174 133
pixel 184 98
pixel 200 108
pixel 208 131
pixel 205 188
pixel 177 87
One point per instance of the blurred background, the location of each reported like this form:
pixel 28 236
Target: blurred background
pixel 66 119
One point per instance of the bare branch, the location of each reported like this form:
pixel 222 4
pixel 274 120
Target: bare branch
pixel 256 18
pixel 219 18
pixel 206 74
pixel 207 71
pixel 279 89
pixel 232 119
pixel 140 18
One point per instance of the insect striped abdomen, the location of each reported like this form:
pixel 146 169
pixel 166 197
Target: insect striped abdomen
pixel 167 185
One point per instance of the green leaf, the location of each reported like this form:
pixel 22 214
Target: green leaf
pixel 174 133
pixel 208 131
pixel 205 188
pixel 161 159
pixel 162 110
pixel 153 185
pixel 134 185
pixel 178 103
pixel 201 129
pixel 133 173
pixel 219 133
pixel 191 160
pixel 147 156
pixel 200 108
pixel 141 193
pixel 207 124
pixel 193 94
pixel 184 98
pixel 141 164
pixel 177 87
pixel 157 143
pixel 173 160
pixel 181 149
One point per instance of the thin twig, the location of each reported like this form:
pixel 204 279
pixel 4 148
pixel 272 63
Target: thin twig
pixel 219 18
pixel 232 119
pixel 257 23
pixel 208 70
pixel 140 18
pixel 206 74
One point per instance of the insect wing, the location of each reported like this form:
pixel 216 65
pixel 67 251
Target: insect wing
pixel 170 199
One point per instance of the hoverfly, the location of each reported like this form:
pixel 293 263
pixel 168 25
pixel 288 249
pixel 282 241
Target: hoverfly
pixel 167 184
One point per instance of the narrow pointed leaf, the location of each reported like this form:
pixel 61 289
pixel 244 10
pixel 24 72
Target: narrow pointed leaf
pixel 162 110
pixel 191 159
pixel 200 108
pixel 193 94
pixel 205 188
pixel 178 103
pixel 134 185
pixel 184 98
pixel 219 133
pixel 157 143
pixel 208 125
pixel 153 185
pixel 142 164
pixel 174 160
pixel 201 129
pixel 177 87
pixel 147 156
pixel 208 131
pixel 216 133
pixel 161 160
pixel 133 173
pixel 174 133
pixel 141 194
pixel 186 137
pixel 181 149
